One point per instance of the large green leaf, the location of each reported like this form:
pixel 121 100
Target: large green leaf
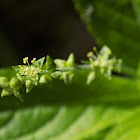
pixel 105 109
pixel 115 23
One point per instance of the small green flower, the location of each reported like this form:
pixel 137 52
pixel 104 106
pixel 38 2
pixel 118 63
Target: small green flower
pixel 66 68
pixel 29 72
pixel 102 63
pixel 45 80
pixel 65 65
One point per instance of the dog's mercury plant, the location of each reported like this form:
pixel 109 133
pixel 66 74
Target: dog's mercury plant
pixel 40 74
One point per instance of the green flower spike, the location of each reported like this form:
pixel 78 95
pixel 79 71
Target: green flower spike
pixel 36 74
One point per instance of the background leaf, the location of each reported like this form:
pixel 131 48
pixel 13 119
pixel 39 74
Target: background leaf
pixel 114 23
pixel 75 112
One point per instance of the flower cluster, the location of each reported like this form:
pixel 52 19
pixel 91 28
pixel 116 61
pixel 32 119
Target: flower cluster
pixel 37 74
pixel 101 63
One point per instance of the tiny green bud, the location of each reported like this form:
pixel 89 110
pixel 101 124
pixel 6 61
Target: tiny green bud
pixel 91 77
pixel 60 63
pixel 56 74
pixel 68 77
pixel 22 79
pixel 50 65
pixel 4 82
pixel 15 83
pixel 45 80
pixel 19 94
pixel 29 85
pixel 71 60
pixel 6 91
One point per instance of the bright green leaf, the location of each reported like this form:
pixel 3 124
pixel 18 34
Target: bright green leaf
pixel 106 109
pixel 115 23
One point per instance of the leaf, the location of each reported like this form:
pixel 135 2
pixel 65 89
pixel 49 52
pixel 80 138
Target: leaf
pixel 106 109
pixel 114 23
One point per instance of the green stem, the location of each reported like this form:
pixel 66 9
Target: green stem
pixel 129 71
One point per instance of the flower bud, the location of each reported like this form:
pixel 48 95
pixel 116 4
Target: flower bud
pixel 4 82
pixel 68 77
pixel 45 80
pixel 91 77
pixel 6 92
pixel 50 65
pixel 56 74
pixel 15 83
pixel 71 60
pixel 19 94
pixel 22 79
pixel 60 63
pixel 29 85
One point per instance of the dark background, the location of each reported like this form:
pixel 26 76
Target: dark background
pixel 35 28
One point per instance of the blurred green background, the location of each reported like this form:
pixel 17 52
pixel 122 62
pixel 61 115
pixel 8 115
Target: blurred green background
pixel 37 28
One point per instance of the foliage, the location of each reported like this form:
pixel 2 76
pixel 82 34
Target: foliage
pixel 114 23
pixel 107 108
